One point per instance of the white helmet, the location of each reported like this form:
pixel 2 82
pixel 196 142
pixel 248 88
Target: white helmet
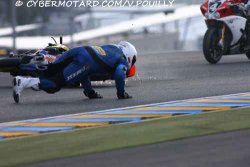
pixel 129 52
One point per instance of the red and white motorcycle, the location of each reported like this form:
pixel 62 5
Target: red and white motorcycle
pixel 225 34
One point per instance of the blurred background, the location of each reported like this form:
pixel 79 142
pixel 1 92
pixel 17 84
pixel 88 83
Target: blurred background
pixel 150 29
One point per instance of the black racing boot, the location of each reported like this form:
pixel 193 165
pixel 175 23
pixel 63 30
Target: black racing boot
pixel 247 34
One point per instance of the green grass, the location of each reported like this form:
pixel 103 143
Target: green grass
pixel 33 149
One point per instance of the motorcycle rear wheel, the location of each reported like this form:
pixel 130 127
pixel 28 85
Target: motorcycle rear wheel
pixel 211 50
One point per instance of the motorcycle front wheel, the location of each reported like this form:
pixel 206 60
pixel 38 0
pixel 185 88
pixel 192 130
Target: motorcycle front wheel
pixel 248 55
pixel 9 64
pixel 211 50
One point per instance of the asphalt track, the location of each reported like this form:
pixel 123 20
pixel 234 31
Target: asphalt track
pixel 161 77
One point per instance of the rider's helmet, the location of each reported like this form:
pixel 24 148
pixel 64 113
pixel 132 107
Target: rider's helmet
pixel 129 52
pixel 56 49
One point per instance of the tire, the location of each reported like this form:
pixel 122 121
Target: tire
pixel 212 52
pixel 9 64
pixel 248 55
pixel 100 77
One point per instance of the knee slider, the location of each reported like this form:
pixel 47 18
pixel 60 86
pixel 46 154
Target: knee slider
pixel 58 81
pixel 53 90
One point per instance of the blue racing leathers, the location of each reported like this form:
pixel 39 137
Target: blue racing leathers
pixel 76 65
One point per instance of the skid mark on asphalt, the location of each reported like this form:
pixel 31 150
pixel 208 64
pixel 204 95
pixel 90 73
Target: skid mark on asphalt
pixel 123 115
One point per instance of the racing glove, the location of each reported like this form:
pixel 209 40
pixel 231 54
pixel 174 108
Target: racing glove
pixel 92 95
pixel 239 6
pixel 242 7
pixel 125 95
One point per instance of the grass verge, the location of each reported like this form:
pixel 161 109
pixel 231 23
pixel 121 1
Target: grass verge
pixel 33 149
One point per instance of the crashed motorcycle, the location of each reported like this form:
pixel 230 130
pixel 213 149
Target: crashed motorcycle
pixel 226 30
pixel 34 63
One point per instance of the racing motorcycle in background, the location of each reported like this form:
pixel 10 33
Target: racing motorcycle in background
pixel 225 34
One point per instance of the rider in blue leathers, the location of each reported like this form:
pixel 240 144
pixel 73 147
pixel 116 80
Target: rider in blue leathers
pixel 76 65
